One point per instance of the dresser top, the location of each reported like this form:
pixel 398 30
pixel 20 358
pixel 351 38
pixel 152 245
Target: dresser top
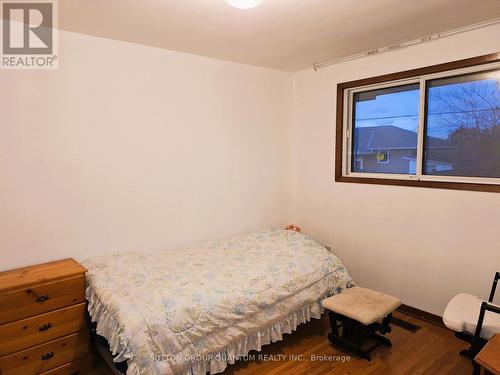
pixel 39 274
pixel 489 357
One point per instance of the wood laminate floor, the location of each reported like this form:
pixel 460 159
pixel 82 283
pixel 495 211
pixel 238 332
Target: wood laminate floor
pixel 432 350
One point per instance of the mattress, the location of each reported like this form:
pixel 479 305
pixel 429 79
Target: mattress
pixel 197 309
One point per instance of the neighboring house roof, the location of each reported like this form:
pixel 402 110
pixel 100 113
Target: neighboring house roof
pixel 390 137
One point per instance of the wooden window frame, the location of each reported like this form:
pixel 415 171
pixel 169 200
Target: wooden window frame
pixel 387 78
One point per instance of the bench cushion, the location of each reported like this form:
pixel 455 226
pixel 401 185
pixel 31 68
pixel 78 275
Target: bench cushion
pixel 364 305
pixel 462 314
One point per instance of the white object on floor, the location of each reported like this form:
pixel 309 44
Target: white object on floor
pixel 462 314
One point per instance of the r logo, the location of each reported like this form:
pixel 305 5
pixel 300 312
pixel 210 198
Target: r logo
pixel 27 28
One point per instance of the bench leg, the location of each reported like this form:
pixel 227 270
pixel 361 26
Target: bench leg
pixel 349 346
pixel 333 323
pixel 354 334
pixel 381 340
pixel 384 327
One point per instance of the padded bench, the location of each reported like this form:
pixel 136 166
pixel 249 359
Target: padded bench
pixel 356 315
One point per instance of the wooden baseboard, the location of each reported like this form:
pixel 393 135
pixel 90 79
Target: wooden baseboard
pixel 422 315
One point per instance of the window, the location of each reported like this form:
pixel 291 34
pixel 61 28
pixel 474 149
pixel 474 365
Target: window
pixel 385 121
pixel 432 127
pixel 463 126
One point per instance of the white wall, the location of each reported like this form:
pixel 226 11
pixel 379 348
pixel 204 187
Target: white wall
pixel 423 245
pixel 127 147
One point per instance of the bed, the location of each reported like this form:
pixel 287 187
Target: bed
pixel 198 309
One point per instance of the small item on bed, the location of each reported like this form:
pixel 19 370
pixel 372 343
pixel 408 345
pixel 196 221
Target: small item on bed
pixel 294 228
pixel 362 313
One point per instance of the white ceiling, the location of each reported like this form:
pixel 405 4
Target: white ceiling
pixel 283 34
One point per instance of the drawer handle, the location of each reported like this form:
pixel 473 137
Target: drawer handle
pixel 47 356
pixel 45 327
pixel 43 298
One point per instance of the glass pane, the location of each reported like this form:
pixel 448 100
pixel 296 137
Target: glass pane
pixel 463 126
pixel 385 123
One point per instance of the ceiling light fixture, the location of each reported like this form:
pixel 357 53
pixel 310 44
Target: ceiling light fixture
pixel 244 4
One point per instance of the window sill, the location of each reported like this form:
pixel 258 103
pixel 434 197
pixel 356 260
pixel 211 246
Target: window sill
pixel 492 188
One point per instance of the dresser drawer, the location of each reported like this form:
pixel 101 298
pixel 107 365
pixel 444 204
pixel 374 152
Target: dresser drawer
pixel 39 329
pixel 28 302
pixel 47 356
pixel 78 367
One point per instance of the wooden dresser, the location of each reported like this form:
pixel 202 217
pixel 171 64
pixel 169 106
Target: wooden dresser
pixel 42 320
pixel 489 357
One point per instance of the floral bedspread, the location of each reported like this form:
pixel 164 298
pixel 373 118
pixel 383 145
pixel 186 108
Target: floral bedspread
pixel 196 309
